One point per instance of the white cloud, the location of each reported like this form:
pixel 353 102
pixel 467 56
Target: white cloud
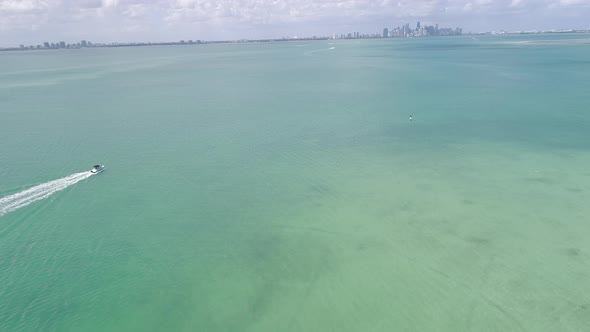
pixel 22 6
pixel 127 19
pixel 574 2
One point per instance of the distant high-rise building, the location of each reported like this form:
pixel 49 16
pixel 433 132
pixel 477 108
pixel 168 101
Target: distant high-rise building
pixel 46 44
pixel 83 43
pixel 62 44
pixel 418 25
pixel 406 32
pixel 385 33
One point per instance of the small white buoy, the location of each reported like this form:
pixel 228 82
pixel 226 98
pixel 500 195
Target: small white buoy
pixel 410 117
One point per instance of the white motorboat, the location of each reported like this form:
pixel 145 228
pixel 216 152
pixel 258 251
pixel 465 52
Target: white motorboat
pixel 97 169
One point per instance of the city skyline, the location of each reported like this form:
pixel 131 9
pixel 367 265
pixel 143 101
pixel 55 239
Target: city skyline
pixel 403 31
pixel 31 21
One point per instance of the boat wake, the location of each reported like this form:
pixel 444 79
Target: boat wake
pixel 309 53
pixel 21 199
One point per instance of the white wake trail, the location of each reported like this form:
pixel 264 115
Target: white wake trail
pixel 309 53
pixel 21 199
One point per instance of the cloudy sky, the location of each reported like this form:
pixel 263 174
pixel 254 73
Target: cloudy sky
pixel 35 21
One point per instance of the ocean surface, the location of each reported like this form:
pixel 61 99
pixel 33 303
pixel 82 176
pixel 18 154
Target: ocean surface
pixel 282 187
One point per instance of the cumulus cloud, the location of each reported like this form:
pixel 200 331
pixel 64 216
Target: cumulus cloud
pixel 126 19
pixel 22 6
pixel 574 2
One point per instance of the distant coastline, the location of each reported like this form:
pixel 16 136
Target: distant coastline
pixel 85 44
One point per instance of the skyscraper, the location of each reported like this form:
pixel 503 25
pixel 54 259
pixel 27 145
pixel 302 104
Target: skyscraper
pixel 385 33
pixel 62 44
pixel 418 25
pixel 46 44
pixel 84 44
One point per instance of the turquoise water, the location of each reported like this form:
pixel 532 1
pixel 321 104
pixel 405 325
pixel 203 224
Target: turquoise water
pixel 282 187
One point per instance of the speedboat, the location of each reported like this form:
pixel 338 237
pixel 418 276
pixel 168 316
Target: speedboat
pixel 97 169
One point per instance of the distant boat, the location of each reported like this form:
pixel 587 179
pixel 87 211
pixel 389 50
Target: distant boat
pixel 97 169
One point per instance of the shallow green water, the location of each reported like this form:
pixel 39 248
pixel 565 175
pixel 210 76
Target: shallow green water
pixel 281 187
